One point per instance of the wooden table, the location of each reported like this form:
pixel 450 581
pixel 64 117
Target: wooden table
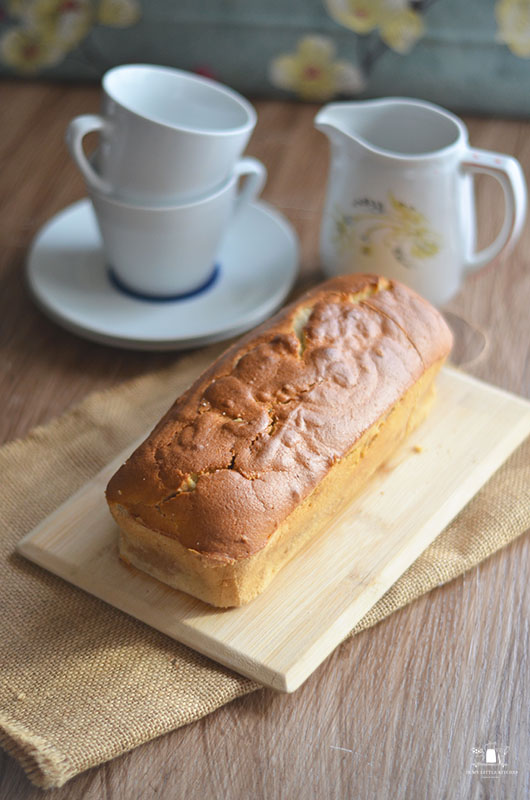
pixel 392 713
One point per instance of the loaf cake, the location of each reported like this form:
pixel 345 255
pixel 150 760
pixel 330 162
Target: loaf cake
pixel 279 433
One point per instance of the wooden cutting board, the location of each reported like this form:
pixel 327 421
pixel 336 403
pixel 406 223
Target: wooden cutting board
pixel 314 602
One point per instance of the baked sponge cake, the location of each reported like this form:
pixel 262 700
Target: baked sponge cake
pixel 278 433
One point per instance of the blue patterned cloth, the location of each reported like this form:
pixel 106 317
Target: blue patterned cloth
pixel 471 55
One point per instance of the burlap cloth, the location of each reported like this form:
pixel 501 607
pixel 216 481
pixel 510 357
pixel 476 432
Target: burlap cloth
pixel 81 682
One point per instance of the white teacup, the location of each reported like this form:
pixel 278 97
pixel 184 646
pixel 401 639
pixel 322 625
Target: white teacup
pixel 166 135
pixel 167 251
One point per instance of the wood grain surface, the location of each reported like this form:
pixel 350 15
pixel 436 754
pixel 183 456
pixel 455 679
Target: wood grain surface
pixel 394 712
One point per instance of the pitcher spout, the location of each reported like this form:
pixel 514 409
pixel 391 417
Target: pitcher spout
pixel 331 121
pixel 342 122
pixel 391 127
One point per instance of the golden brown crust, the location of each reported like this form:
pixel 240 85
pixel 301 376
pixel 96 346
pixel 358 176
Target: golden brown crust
pixel 233 583
pixel 254 435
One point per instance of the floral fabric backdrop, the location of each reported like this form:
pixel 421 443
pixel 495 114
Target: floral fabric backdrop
pixel 465 54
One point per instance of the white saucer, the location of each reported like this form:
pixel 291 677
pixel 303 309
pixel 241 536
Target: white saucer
pixel 68 278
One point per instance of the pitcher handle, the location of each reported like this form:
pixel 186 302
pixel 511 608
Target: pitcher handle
pixel 75 133
pixel 507 171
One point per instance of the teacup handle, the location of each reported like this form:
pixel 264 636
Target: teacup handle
pixel 256 175
pixel 75 133
pixel 507 171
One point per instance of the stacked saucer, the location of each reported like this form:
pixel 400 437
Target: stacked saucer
pixel 169 252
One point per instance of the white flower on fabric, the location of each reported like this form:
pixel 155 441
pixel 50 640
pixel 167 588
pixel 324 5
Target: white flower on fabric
pixel 27 50
pixel 513 19
pixel 312 72
pixel 118 13
pixel 50 28
pixel 399 25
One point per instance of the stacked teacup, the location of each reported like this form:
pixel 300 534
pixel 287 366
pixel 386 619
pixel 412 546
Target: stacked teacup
pixel 164 179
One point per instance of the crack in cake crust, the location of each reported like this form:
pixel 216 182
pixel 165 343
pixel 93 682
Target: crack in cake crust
pixel 260 428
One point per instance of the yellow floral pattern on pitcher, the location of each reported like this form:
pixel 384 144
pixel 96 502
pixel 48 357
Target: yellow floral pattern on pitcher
pixel 47 30
pixel 400 228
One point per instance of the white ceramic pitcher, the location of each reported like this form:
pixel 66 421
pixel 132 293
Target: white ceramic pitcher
pixel 400 194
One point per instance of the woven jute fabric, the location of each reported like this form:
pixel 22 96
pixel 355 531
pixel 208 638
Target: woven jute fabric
pixel 81 682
